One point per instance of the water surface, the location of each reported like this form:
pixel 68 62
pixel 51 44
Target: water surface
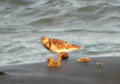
pixel 93 24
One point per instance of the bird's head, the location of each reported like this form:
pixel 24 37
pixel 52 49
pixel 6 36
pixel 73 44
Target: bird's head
pixel 44 39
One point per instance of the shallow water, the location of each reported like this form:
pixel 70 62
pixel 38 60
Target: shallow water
pixel 93 24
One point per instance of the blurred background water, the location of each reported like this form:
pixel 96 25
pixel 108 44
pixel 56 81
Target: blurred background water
pixel 93 24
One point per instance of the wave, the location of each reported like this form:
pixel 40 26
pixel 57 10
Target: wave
pixel 92 24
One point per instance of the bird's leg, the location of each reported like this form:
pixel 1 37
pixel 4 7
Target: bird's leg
pixel 58 61
pixel 64 55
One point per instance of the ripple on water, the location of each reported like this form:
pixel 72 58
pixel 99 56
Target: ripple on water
pixel 93 24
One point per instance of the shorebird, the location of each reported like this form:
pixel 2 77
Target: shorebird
pixel 58 46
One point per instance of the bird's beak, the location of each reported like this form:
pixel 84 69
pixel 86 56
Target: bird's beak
pixel 40 39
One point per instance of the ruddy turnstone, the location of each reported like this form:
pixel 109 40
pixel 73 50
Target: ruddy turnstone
pixel 60 47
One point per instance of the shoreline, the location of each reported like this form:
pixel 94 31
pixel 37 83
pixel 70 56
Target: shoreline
pixel 70 72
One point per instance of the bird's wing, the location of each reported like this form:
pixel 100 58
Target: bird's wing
pixel 59 44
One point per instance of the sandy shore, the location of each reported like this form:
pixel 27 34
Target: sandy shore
pixel 70 73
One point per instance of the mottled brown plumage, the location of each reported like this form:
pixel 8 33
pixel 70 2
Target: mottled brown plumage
pixel 60 47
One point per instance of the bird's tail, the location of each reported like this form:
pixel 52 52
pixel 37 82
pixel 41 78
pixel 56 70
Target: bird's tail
pixel 76 47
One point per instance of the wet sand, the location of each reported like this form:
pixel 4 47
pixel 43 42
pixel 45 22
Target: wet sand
pixel 71 72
